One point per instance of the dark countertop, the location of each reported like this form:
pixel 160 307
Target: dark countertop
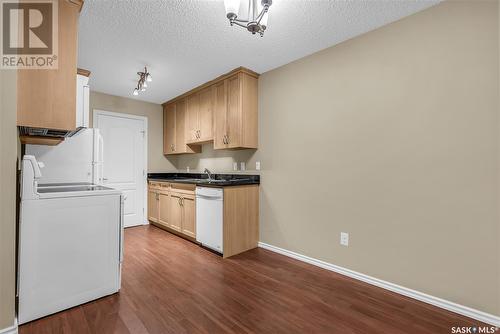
pixel 221 180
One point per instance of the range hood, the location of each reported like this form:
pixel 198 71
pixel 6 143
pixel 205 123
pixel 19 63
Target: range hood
pixel 54 133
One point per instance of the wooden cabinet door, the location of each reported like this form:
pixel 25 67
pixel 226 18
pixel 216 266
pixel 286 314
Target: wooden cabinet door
pixel 169 127
pixel 153 205
pixel 180 127
pixel 164 208
pixel 233 114
pixel 47 98
pixel 188 216
pixel 192 124
pixel 205 115
pixel 175 213
pixel 220 115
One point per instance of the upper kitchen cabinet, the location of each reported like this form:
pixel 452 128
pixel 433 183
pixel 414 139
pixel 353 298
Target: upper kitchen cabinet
pixel 46 99
pixel 175 128
pixel 223 110
pixel 200 107
pixel 236 114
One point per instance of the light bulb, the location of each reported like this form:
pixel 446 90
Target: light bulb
pixel 232 7
pixel 149 78
pixel 143 89
pixel 144 85
pixel 136 92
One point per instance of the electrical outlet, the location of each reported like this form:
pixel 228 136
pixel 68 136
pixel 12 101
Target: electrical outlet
pixel 344 239
pixel 235 166
pixel 242 165
pixel 257 165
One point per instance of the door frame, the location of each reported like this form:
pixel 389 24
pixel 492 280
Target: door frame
pixel 144 119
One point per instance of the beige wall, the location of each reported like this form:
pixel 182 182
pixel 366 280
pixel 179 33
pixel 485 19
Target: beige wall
pixel 393 137
pixel 157 162
pixel 8 159
pixel 398 132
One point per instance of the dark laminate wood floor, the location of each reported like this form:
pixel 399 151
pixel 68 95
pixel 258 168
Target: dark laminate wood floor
pixel 170 285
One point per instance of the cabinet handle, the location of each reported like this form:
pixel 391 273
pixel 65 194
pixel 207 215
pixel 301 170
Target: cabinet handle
pixel 179 200
pixel 182 201
pixel 224 140
pixel 199 133
pixel 227 139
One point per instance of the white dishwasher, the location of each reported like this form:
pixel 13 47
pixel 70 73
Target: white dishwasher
pixel 209 209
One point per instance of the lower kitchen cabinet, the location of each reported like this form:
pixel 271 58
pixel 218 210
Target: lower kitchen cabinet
pixel 188 225
pixel 241 219
pixel 152 204
pixel 164 208
pixel 173 207
pixel 175 213
pixel 183 213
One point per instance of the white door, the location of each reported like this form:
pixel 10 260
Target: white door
pixel 124 160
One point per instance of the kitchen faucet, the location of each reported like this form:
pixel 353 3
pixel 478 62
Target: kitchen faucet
pixel 209 174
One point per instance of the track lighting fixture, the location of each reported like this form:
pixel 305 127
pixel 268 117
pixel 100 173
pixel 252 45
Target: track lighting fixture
pixel 141 83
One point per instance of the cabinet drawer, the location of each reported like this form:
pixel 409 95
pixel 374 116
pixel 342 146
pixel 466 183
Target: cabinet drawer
pixel 154 185
pixel 186 189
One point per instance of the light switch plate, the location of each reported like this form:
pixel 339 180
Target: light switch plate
pixel 235 166
pixel 242 165
pixel 344 239
pixel 257 165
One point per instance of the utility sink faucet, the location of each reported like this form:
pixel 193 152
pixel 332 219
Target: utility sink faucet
pixel 209 173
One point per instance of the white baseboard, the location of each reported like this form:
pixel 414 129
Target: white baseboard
pixel 442 303
pixel 10 330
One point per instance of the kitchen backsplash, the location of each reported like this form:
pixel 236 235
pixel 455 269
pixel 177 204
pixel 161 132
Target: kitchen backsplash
pixel 219 161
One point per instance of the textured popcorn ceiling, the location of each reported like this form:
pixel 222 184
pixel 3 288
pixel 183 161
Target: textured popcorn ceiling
pixel 185 43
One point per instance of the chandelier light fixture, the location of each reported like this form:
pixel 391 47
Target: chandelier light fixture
pixel 257 14
pixel 142 83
